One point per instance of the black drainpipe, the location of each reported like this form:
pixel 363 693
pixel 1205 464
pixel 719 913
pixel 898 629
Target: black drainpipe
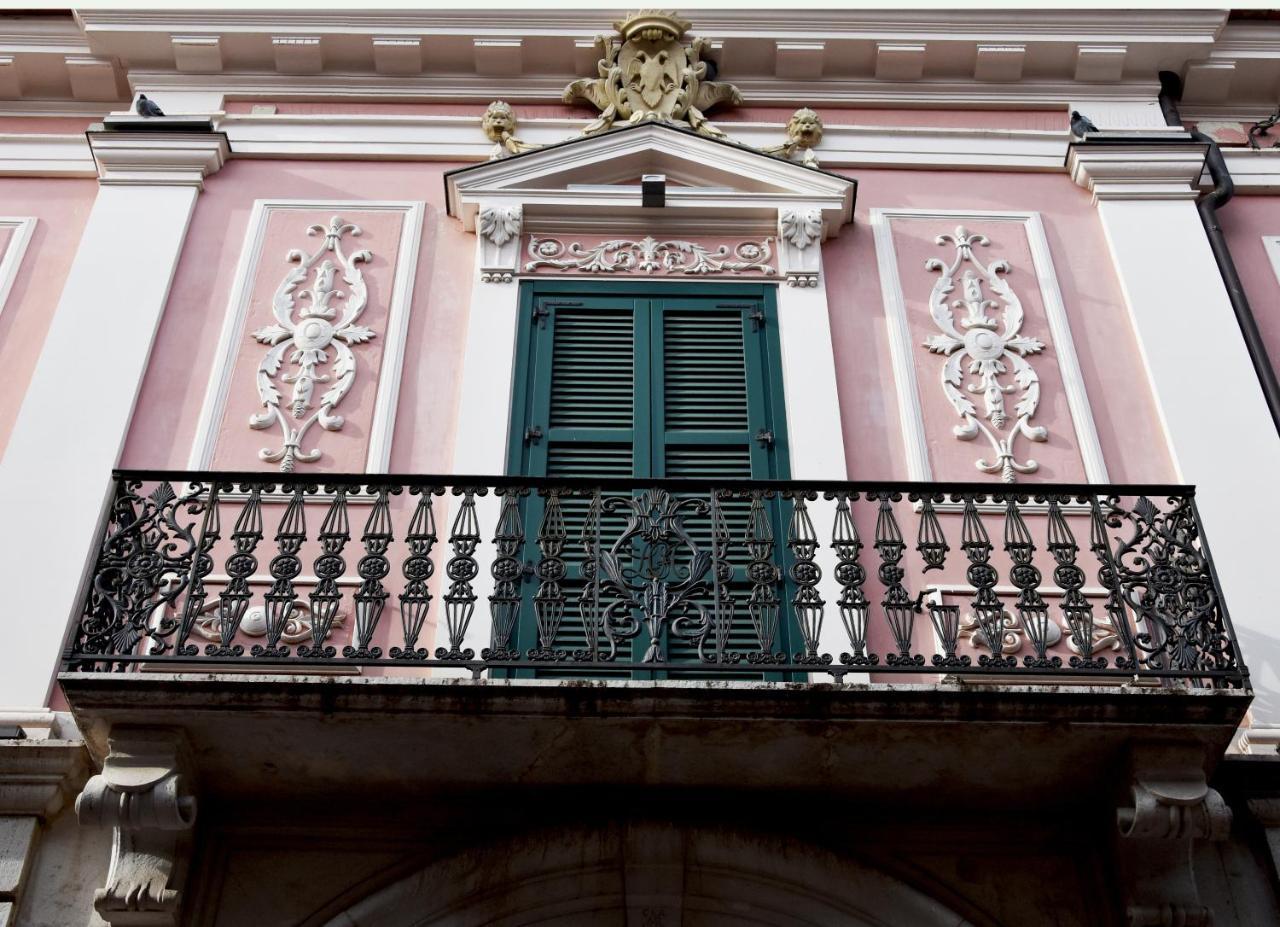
pixel 1209 204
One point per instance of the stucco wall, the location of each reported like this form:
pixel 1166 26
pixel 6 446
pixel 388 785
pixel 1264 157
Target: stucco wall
pixel 1245 221
pixel 60 208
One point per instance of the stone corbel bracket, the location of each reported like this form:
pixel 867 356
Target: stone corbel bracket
pixel 499 229
pixel 144 793
pixel 800 246
pixel 1170 806
pixel 157 158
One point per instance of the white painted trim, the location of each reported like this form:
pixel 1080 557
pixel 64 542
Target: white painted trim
pixel 1272 245
pixel 902 349
pixel 382 423
pixel 458 138
pixel 23 228
pixel 910 415
pixel 31 155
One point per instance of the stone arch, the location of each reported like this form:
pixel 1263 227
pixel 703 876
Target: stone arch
pixel 646 875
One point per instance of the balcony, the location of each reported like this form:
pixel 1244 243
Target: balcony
pixel 652 631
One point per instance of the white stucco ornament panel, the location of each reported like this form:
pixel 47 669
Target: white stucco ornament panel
pixel 300 341
pixel 992 350
pixel 799 231
pixel 649 255
pixel 499 230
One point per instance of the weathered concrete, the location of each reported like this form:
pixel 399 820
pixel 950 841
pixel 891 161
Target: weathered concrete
pixel 305 737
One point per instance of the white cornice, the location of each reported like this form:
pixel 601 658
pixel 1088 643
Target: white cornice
pixel 458 138
pixel 1253 172
pixel 27 155
pixel 1154 171
pixel 158 158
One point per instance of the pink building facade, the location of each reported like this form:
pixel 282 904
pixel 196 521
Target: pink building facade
pixel 737 468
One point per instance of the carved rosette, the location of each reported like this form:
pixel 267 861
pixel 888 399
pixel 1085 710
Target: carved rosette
pixel 302 337
pixel 996 353
pixel 651 256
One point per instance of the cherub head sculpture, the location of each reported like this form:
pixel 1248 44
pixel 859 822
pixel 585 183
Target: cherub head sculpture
pixel 499 121
pixel 804 130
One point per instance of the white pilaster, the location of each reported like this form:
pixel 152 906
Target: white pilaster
pixel 484 413
pixel 69 432
pixel 1217 424
pixel 813 425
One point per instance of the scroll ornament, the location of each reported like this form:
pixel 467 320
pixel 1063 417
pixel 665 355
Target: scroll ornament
pixel 648 255
pixel 991 354
pixel 307 339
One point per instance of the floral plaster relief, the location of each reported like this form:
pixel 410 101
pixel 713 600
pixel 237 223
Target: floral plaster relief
pixel 278 382
pixel 649 255
pixel 1017 394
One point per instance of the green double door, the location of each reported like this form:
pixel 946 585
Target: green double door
pixel 616 381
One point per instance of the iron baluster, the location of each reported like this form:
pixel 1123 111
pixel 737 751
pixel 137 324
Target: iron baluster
pixel 335 532
pixel 899 608
pixel 284 568
pixel 807 603
pixel 508 573
pixel 201 567
pixel 548 601
pixel 1034 614
pixel 371 597
pixel 721 573
pixel 1109 576
pixel 460 599
pixel 1076 609
pixel 589 598
pixel 930 541
pixel 764 575
pixel 233 601
pixel 418 568
pixel 851 576
pixel 988 610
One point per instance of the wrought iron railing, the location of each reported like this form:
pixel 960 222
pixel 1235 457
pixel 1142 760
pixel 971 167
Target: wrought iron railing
pixel 657 579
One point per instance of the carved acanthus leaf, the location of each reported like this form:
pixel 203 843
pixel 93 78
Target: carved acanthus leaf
pixel 993 356
pixel 307 334
pixel 800 227
pixel 499 224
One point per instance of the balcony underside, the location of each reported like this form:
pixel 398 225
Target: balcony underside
pixel 299 738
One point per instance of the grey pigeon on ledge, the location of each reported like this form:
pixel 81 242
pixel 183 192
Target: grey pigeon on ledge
pixel 146 108
pixel 1081 125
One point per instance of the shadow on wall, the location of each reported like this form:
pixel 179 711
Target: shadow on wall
pixel 645 873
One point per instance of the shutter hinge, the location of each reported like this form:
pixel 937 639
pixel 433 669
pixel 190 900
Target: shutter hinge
pixel 757 320
pixel 539 314
pixel 543 309
pixel 765 437
pixel 532 434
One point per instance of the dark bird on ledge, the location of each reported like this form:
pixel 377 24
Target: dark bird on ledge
pixel 146 108
pixel 1081 125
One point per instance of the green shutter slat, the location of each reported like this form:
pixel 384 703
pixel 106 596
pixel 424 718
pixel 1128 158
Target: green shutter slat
pixel 704 371
pixel 593 370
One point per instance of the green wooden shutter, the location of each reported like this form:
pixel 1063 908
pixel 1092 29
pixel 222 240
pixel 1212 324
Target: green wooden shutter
pixel 675 382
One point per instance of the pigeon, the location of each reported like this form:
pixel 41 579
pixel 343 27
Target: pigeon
pixel 1081 125
pixel 146 108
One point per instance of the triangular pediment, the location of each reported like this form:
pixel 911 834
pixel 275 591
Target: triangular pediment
pixel 600 173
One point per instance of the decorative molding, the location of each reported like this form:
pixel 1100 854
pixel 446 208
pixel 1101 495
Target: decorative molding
pixel 1170 807
pixel 23 155
pixel 798 229
pixel 499 230
pixel 649 255
pixel 144 793
pixel 23 228
pixel 213 409
pixel 902 348
pixel 311 337
pixel 648 74
pixel 38 776
pixel 1158 170
pixel 297 627
pixel 157 158
pixel 990 354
